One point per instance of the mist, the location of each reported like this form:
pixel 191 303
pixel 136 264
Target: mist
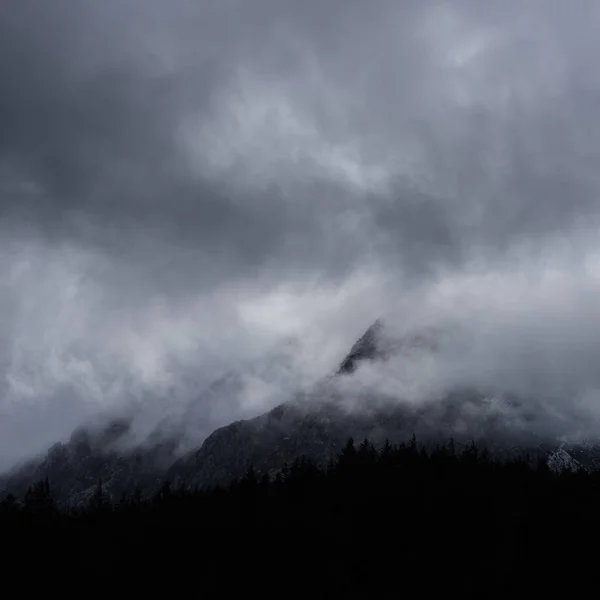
pixel 508 336
pixel 190 189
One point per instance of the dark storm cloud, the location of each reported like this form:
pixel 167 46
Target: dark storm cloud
pixel 478 109
pixel 90 143
pixel 182 182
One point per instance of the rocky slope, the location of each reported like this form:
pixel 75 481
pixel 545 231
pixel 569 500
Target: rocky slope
pixel 317 424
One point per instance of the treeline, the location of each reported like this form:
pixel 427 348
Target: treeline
pixel 477 524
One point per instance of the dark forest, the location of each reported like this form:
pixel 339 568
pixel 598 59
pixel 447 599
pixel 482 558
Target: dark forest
pixel 374 521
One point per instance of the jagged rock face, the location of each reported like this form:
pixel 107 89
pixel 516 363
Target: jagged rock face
pixel 316 424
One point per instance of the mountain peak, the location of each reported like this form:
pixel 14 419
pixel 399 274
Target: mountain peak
pixel 366 348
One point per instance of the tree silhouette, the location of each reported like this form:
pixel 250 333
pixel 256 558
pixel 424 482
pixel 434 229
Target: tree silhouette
pixel 38 500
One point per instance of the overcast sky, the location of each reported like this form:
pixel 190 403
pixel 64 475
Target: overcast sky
pixel 185 185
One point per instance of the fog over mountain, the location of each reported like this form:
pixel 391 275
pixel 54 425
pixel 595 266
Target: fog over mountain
pixel 196 191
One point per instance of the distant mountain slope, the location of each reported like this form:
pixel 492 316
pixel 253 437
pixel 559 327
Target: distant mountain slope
pixel 320 429
pixel 75 468
pixel 316 423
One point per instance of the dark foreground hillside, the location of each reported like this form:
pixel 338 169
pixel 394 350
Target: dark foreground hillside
pixel 383 523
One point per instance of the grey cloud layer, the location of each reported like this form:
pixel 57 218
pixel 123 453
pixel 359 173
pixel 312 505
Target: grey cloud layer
pixel 167 169
pixel 484 111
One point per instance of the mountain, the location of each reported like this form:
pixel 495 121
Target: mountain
pixel 316 423
pixel 320 430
